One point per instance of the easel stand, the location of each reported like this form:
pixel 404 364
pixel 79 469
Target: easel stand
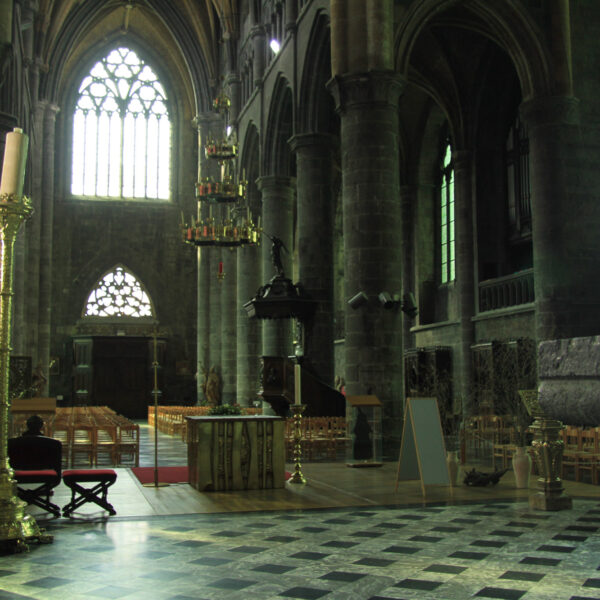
pixel 423 452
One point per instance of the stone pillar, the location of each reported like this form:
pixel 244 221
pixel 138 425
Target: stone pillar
pixel 465 275
pixel 208 124
pixel 214 302
pixel 565 220
pixel 408 197
pixel 228 287
pixel 235 91
pixel 315 245
pixel 277 221
pixel 45 298
pixel 248 330
pixel 203 322
pixel 259 48
pixel 34 235
pixel 291 14
pixel 368 108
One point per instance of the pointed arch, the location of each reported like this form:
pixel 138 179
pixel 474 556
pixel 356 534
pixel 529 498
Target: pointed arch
pixel 316 109
pixel 278 155
pixel 508 24
pixel 118 294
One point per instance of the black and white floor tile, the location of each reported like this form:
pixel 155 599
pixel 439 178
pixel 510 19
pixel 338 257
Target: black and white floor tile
pixel 498 550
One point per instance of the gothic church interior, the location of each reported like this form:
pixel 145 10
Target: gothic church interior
pixel 428 167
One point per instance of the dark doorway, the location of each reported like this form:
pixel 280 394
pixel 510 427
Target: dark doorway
pixel 121 368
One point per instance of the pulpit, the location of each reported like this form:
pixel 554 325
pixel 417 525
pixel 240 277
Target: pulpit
pixel 236 452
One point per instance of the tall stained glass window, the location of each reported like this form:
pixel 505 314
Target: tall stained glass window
pixel 121 131
pixel 447 245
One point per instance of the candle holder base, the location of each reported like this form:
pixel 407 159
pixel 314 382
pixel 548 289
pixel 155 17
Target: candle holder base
pixel 18 530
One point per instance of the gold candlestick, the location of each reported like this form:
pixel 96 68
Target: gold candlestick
pixel 297 410
pixel 16 528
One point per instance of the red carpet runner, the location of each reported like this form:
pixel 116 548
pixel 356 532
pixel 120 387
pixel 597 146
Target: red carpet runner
pixel 165 474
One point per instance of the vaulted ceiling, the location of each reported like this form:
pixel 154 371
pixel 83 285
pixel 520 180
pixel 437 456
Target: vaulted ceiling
pixel 186 34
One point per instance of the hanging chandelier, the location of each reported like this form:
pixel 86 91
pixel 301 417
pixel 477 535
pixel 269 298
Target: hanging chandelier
pixel 224 215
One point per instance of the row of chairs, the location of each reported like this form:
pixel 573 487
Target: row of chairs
pixel 581 455
pixel 96 435
pixel 322 438
pixel 172 419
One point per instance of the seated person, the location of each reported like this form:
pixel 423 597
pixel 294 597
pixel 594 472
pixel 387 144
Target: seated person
pixel 35 424
pixel 36 459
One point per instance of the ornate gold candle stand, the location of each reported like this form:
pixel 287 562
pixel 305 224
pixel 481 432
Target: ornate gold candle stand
pixel 297 410
pixel 16 528
pixel 548 450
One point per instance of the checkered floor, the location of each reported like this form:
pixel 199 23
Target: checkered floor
pixel 442 552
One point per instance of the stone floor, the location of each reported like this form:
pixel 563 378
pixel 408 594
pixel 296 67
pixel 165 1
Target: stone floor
pixel 497 548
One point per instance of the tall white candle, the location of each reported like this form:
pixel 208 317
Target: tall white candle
pixel 13 167
pixel 297 384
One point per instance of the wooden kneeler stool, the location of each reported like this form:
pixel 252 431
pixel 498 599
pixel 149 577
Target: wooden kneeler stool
pixel 102 478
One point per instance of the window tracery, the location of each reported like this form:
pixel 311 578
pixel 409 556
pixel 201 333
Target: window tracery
pixel 118 294
pixel 121 131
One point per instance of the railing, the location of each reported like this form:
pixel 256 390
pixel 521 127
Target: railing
pixel 510 290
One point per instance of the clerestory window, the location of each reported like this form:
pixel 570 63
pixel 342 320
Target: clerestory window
pixel 121 131
pixel 118 294
pixel 447 242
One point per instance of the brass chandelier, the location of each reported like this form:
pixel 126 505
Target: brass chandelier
pixel 224 215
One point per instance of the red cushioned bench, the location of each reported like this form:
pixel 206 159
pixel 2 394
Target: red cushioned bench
pixel 36 460
pixel 103 478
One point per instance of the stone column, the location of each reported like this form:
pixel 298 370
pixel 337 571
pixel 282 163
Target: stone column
pixel 465 274
pixel 291 14
pixel 209 125
pixel 408 197
pixel 259 47
pixel 203 322
pixel 565 220
pixel 33 238
pixel 228 289
pixel 248 330
pixel 45 298
pixel 315 245
pixel 214 303
pixel 368 108
pixel 277 221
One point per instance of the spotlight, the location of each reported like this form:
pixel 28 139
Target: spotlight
pixel 387 301
pixel 275 46
pixel 409 305
pixel 358 300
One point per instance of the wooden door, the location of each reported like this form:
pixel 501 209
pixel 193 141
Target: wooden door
pixel 122 375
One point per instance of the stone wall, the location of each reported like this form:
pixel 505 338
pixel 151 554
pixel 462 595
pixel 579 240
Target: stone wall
pixel 569 380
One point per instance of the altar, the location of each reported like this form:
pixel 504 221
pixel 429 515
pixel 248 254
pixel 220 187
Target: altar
pixel 238 452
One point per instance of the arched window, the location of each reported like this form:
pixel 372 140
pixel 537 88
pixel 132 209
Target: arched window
pixel 118 294
pixel 121 131
pixel 447 245
pixel 518 183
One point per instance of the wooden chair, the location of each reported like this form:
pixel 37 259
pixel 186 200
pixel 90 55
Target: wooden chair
pixel 571 436
pixel 128 443
pixel 589 456
pixel 83 441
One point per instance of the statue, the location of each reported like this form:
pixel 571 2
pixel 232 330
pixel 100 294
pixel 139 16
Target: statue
pixel 38 381
pixel 276 255
pixel 363 447
pixel 211 386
